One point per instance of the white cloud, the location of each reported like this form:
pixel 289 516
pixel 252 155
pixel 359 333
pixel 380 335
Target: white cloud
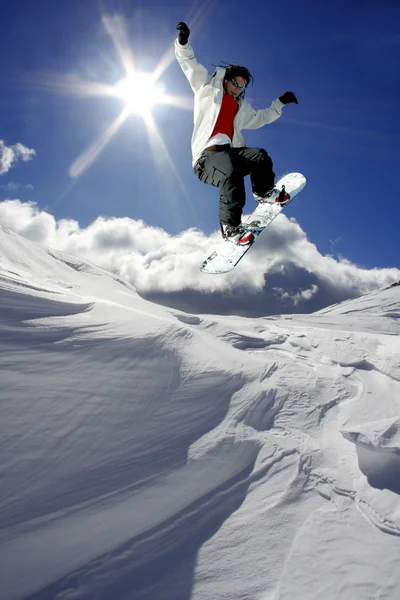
pixel 284 272
pixel 10 155
pixel 11 186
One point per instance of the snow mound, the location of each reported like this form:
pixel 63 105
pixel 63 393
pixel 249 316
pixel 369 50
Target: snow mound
pixel 152 454
pixel 382 435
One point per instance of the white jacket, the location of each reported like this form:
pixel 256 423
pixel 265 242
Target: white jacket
pixel 208 91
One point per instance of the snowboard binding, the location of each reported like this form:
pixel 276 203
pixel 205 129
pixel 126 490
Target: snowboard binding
pixel 283 197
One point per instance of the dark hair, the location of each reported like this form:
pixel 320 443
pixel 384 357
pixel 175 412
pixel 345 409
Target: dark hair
pixel 233 71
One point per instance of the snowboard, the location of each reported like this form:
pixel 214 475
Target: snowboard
pixel 227 256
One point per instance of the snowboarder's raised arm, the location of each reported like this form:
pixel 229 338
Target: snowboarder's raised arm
pixel 196 74
pixel 257 118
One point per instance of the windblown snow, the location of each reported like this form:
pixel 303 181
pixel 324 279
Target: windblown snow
pixel 151 454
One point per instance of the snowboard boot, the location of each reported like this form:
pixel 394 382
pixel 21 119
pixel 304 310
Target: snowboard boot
pixel 274 196
pixel 237 235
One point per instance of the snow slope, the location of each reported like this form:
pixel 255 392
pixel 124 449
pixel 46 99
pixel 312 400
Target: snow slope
pixel 151 454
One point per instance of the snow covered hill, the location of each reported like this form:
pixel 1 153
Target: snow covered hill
pixel 150 454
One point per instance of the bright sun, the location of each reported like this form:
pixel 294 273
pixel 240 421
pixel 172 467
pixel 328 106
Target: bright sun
pixel 139 91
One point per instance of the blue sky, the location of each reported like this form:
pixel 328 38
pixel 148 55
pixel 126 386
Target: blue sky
pixel 341 60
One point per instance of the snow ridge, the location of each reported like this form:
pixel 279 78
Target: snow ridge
pixel 152 454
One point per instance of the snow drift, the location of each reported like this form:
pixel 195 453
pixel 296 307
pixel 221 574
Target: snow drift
pixel 148 453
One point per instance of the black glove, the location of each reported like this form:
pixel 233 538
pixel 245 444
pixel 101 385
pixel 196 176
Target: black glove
pixel 288 98
pixel 184 33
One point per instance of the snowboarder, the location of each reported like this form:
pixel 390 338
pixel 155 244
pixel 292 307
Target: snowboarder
pixel 220 155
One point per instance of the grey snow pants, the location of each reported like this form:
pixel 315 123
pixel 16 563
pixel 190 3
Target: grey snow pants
pixel 226 169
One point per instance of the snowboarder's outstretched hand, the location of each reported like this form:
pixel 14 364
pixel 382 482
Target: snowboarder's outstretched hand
pixel 184 33
pixel 288 98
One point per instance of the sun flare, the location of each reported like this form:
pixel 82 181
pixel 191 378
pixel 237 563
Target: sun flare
pixel 140 92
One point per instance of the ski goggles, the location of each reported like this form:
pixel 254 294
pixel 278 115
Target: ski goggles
pixel 236 84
